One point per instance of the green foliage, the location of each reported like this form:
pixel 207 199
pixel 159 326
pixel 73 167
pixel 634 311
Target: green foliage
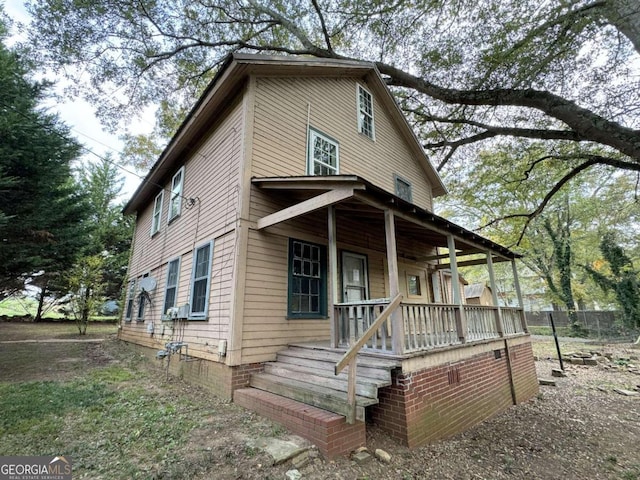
pixel 615 272
pixel 110 236
pixel 36 416
pixel 22 414
pixel 85 281
pixel 566 234
pixel 469 71
pixel 41 213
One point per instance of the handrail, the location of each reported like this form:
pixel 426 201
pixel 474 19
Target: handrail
pixel 350 357
pixel 355 348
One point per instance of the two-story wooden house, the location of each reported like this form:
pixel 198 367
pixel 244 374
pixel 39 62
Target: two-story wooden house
pixel 288 229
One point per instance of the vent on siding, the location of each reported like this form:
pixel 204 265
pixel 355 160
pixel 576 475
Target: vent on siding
pixel 497 354
pixel 453 375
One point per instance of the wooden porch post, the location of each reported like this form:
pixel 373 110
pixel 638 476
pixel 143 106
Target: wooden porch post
pixel 494 294
pixel 516 284
pixel 333 274
pixel 397 323
pixel 461 323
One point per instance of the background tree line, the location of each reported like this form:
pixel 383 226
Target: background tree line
pixel 545 94
pixel 61 228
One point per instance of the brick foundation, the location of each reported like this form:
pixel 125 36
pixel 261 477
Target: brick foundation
pixel 328 431
pixel 439 401
pixel 216 377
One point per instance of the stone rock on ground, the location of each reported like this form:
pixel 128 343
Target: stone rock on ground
pixel 383 456
pixel 280 450
pixel 293 475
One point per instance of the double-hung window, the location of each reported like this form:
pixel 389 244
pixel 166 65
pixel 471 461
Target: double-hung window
pixel 307 280
pixel 403 188
pixel 171 289
pixel 200 281
pixel 142 300
pixel 323 154
pixel 365 113
pixel 175 203
pixel 131 294
pixel 157 214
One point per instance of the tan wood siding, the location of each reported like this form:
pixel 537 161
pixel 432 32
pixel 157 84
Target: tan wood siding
pixel 266 327
pixel 284 107
pixel 212 176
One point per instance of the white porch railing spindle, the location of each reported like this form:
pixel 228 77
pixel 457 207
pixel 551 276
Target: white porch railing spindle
pixel 426 326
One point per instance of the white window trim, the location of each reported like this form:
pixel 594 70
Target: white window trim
pixel 312 134
pixel 131 296
pixel 156 219
pixel 200 315
pixel 416 274
pixel 140 318
pixel 167 286
pixel 176 196
pixel 397 178
pixel 361 112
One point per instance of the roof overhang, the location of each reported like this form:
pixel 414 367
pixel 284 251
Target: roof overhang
pixel 351 193
pixel 230 81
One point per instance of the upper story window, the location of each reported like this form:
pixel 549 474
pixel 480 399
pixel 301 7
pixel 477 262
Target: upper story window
pixel 175 203
pixel 157 213
pixel 200 281
pixel 365 113
pixel 171 289
pixel 324 154
pixel 403 188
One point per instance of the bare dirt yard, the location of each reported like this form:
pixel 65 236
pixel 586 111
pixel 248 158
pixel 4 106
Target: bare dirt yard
pixel 119 417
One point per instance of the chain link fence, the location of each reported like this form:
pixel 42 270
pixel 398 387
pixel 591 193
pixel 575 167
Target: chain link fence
pixel 597 323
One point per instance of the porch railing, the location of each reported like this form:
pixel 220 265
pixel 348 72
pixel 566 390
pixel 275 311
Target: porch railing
pixel 429 326
pixel 353 319
pixel 426 326
pixel 351 356
pixel 512 322
pixel 482 322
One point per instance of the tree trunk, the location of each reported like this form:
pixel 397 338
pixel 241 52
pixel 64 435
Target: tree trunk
pixel 43 292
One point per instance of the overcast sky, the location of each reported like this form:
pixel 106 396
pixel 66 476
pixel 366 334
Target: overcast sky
pixel 79 116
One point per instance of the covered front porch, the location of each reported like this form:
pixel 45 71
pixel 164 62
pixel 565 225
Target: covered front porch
pixel 420 312
pixel 383 272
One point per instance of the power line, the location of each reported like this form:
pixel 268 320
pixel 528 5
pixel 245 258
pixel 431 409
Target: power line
pixel 190 201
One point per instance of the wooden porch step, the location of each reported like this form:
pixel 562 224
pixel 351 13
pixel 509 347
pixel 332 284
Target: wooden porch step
pixel 311 394
pixel 320 378
pixel 330 373
pixel 324 360
pixel 335 354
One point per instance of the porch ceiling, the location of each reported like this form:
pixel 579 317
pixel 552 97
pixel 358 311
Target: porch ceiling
pixel 367 202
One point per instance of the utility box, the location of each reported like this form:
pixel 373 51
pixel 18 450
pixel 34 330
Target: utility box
pixel 183 311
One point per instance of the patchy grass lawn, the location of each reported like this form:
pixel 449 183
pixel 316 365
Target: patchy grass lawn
pixel 118 417
pixel 18 331
pixel 114 412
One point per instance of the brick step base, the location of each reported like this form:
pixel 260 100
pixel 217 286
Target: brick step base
pixel 329 431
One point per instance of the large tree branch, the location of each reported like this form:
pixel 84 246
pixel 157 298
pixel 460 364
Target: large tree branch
pixel 327 37
pixel 586 124
pixel 590 162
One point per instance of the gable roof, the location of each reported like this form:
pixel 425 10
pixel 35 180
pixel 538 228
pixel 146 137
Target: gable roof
pixel 475 290
pixel 230 80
